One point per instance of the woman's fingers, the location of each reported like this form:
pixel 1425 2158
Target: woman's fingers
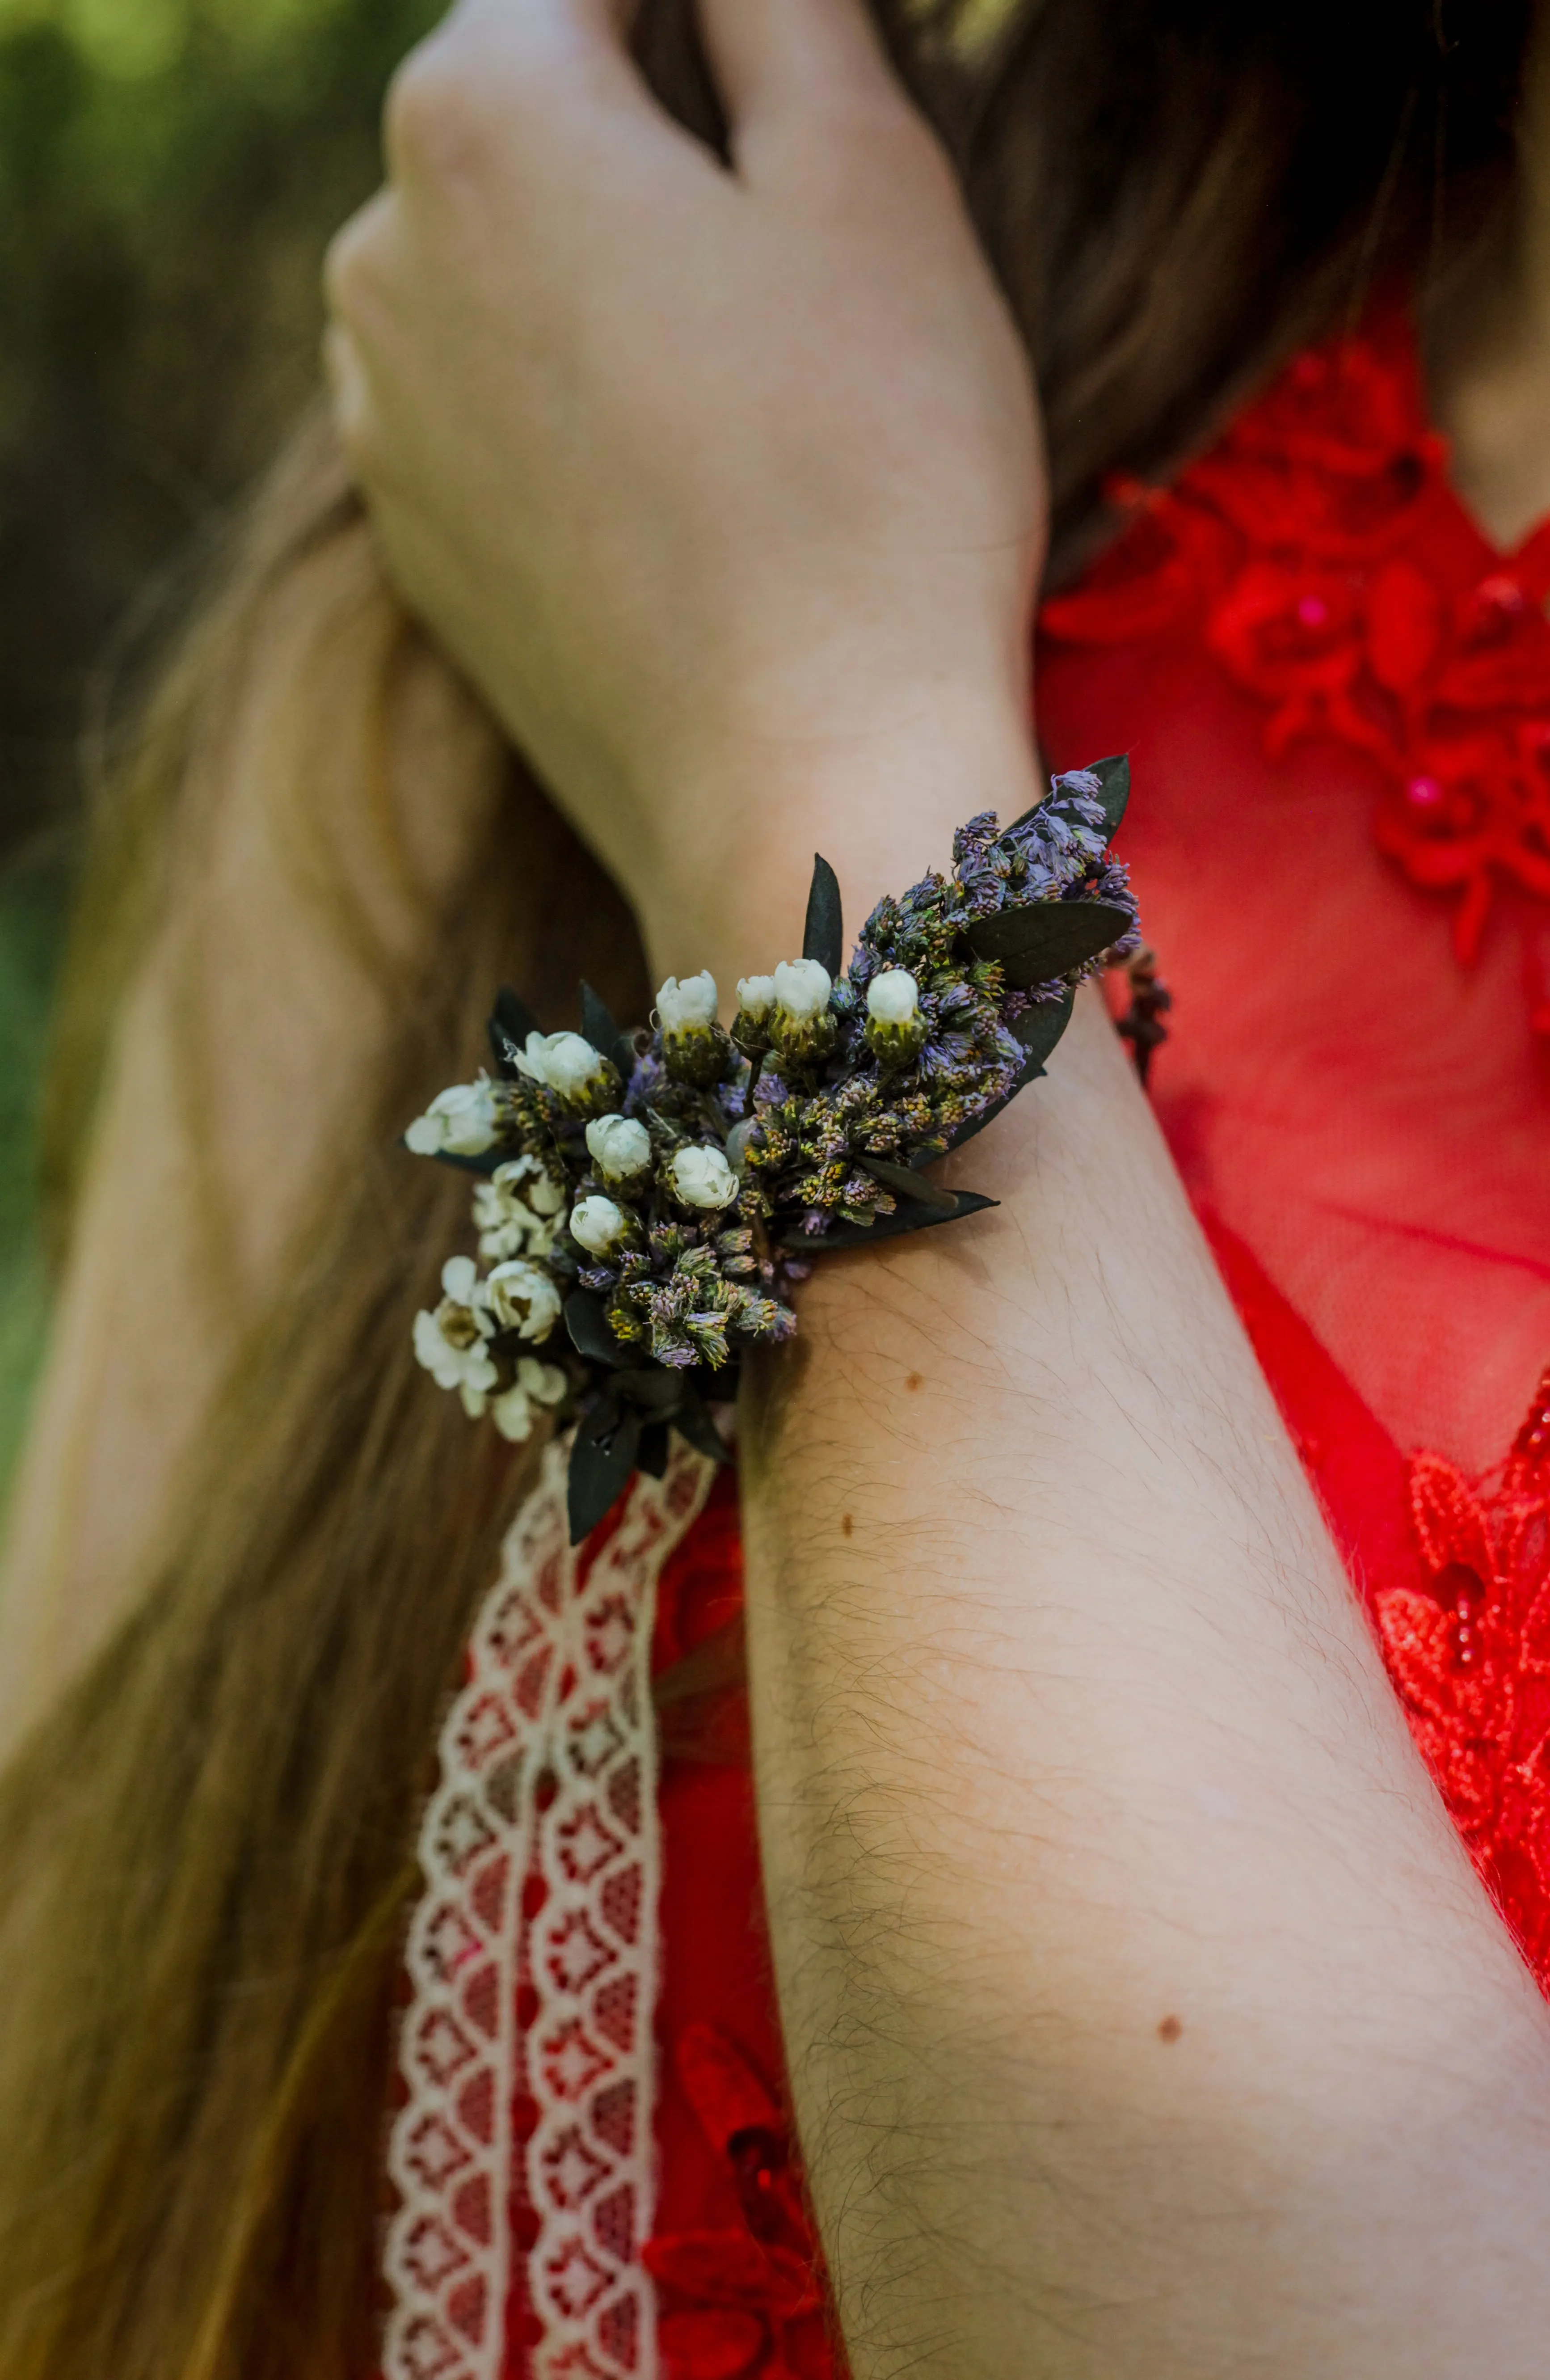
pixel 769 56
pixel 510 70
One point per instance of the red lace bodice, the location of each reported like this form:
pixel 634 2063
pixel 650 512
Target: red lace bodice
pixel 1363 1121
pixel 1322 557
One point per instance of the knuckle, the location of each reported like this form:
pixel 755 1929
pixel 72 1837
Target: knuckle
pixel 437 117
pixel 348 267
pixel 349 402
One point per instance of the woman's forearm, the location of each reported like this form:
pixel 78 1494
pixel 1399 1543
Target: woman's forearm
pixel 1144 2013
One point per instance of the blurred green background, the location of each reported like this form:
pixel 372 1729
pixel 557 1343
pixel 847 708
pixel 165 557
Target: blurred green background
pixel 170 171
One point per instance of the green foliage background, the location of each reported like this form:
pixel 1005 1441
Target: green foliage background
pixel 170 171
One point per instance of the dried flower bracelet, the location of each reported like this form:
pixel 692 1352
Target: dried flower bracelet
pixel 650 1200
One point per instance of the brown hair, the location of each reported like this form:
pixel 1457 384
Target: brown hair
pixel 206 1852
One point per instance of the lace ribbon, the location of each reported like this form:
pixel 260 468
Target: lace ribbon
pixel 526 2051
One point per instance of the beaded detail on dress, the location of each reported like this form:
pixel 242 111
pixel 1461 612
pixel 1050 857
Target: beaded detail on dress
pixel 1470 1654
pixel 1320 552
pixel 524 2157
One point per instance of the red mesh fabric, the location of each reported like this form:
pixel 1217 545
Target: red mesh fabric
pixel 1337 695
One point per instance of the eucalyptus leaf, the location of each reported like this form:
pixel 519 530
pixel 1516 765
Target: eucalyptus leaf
pixel 823 936
pixel 658 1393
pixel 598 1026
pixel 1031 1073
pixel 1040 1029
pixel 1114 777
pixel 1114 792
pixel 484 1164
pixel 508 1030
pixel 602 1459
pixel 586 1320
pixel 887 1227
pixel 651 1454
pixel 1042 940
pixel 906 1183
pixel 1019 822
pixel 693 1422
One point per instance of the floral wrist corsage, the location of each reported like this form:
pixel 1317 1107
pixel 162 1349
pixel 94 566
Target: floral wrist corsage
pixel 650 1200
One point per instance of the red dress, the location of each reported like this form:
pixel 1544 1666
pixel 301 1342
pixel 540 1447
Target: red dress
pixel 1336 697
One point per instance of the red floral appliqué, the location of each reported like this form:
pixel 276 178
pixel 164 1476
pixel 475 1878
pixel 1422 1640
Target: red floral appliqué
pixel 744 2305
pixel 1470 1659
pixel 1321 553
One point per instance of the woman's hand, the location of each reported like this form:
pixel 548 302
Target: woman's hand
pixel 725 487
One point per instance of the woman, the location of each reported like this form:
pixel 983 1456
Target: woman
pixel 1142 2009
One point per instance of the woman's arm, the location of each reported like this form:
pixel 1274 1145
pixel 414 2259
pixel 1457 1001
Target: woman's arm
pixel 1144 2013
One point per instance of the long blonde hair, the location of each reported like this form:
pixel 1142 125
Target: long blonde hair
pixel 206 1852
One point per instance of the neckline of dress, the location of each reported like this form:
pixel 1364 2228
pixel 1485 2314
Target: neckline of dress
pixel 1525 551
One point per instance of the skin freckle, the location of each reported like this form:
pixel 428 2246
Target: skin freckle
pixel 1170 2029
pixel 913 1379
pixel 847 1525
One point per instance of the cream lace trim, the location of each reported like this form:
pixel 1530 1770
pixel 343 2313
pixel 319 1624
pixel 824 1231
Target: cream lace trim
pixel 532 1961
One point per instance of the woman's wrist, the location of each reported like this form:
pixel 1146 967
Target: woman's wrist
pixel 730 885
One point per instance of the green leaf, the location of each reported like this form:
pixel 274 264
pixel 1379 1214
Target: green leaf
pixel 484 1164
pixel 906 1183
pixel 1114 777
pixel 887 1227
pixel 1040 1029
pixel 602 1459
pixel 586 1320
pixel 508 1030
pixel 1042 940
pixel 651 1454
pixel 658 1391
pixel 599 1027
pixel 694 1423
pixel 1114 792
pixel 824 934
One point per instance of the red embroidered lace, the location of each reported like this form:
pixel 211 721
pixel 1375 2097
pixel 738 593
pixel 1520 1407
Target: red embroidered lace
pixel 1321 553
pixel 1470 1653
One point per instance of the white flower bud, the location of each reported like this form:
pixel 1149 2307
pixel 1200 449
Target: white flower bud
pixel 566 1064
pixel 599 1225
pixel 458 1122
pixel 526 1178
pixel 802 989
pixel 689 1006
pixel 755 997
pixel 453 1342
pixel 514 1211
pixel 460 1280
pixel 894 997
pixel 522 1299
pixel 701 1177
pixel 536 1383
pixel 618 1147
pixel 737 1143
pixel 544 1381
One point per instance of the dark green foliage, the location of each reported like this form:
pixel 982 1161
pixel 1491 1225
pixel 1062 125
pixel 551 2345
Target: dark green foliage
pixel 166 193
pixel 824 934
